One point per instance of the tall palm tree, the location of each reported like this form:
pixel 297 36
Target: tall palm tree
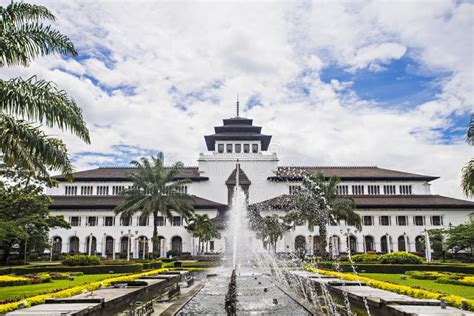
pixel 155 190
pixel 467 178
pixel 25 105
pixel 202 228
pixel 317 203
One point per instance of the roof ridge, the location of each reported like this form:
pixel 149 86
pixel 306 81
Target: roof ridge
pixel 130 167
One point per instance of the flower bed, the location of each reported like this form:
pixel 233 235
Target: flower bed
pixel 9 280
pixel 443 277
pixel 39 299
pixel 452 300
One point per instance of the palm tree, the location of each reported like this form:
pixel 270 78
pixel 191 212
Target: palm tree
pixel 204 229
pixel 27 104
pixel 155 190
pixel 467 178
pixel 317 203
pixel 271 230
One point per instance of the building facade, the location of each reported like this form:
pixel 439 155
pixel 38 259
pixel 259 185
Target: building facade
pixel 396 207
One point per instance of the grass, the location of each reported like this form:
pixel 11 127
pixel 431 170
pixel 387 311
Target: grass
pixel 22 291
pixel 460 290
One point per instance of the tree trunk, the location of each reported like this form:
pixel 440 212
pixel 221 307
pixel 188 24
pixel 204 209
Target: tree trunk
pixel 6 253
pixel 323 241
pixel 154 239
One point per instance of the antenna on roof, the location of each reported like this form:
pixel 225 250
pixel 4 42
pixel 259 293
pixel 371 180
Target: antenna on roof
pixel 238 106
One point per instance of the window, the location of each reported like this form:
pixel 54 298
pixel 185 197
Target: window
pixel 75 221
pixel 246 148
pixel 419 220
pixel 389 190
pixel 358 189
pixel 293 189
pixel 342 190
pixel 108 221
pixel 254 148
pixel 91 221
pixel 368 220
pixel 182 189
pixel 125 221
pixel 238 148
pixel 103 190
pixel 384 220
pixel 402 221
pixel 176 221
pixel 437 220
pixel 70 190
pixel 229 148
pixel 220 148
pixel 405 189
pixel 211 245
pixel 143 221
pixel 160 221
pixel 374 189
pixel 117 189
pixel 86 189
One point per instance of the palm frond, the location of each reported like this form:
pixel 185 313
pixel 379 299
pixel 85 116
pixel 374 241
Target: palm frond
pixel 467 179
pixel 39 100
pixel 27 146
pixel 20 12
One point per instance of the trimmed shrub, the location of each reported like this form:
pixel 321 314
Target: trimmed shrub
pixel 81 260
pixel 9 280
pixel 366 258
pixel 401 257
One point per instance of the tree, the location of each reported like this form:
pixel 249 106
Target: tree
pixel 317 203
pixel 271 230
pixel 467 177
pixel 24 214
pixel 155 190
pixel 204 229
pixel 26 104
pixel 460 238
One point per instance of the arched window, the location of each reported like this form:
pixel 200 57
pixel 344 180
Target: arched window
pixel 420 244
pixel 300 243
pixel 177 244
pixel 93 246
pixel 109 245
pixel 369 243
pixel 57 245
pixel 384 246
pixel 401 243
pixel 316 242
pixel 74 244
pixel 353 244
pixel 124 245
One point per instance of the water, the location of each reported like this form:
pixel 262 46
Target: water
pixel 262 279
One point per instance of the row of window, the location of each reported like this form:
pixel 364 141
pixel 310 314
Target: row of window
pixel 372 189
pixel 110 221
pixel 417 220
pixel 104 189
pixel 237 148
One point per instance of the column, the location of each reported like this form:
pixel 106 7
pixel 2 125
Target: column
pixel 113 249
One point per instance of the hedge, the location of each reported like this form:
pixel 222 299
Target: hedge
pixel 396 268
pixel 100 269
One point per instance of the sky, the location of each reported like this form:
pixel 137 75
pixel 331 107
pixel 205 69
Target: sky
pixel 379 83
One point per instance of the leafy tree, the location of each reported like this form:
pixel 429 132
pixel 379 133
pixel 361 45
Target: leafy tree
pixel 155 190
pixel 24 214
pixel 467 177
pixel 317 203
pixel 271 230
pixel 24 104
pixel 459 238
pixel 204 229
pixel 437 240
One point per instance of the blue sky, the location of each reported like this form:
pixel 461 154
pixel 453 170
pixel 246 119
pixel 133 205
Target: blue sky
pixel 377 83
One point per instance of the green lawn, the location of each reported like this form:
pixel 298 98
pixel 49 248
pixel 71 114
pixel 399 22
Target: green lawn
pixel 464 291
pixel 22 291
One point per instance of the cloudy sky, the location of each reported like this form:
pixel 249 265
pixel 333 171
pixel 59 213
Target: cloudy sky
pixel 368 83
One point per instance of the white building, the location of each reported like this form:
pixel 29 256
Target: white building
pixel 396 207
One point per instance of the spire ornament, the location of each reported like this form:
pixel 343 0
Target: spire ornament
pixel 238 106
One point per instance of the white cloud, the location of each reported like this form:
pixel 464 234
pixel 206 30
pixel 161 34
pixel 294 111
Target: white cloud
pixel 199 55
